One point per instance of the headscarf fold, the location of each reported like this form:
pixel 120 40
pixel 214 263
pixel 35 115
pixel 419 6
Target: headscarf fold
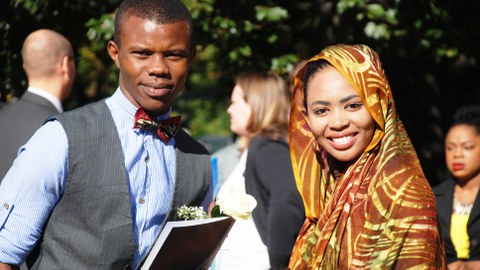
pixel 381 214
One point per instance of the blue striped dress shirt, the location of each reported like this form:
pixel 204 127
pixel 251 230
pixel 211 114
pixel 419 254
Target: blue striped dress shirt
pixel 37 179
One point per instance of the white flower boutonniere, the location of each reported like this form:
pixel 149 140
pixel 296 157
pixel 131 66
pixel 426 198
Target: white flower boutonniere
pixel 236 203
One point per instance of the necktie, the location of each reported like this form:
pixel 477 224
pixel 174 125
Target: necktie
pixel 166 129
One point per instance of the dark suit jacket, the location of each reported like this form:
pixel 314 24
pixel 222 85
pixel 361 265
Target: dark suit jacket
pixel 444 196
pixel 18 122
pixel 279 214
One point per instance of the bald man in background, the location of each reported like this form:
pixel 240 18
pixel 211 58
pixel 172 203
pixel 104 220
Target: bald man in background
pixel 50 68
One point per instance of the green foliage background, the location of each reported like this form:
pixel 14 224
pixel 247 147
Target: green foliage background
pixel 429 48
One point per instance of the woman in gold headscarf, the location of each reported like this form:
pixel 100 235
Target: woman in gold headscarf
pixel 367 202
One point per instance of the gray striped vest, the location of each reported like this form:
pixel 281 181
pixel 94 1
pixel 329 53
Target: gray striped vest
pixel 91 227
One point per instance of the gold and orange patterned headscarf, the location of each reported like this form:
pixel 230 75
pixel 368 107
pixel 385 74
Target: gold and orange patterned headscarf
pixel 381 214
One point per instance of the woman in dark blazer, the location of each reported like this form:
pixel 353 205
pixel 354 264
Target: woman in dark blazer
pixel 458 202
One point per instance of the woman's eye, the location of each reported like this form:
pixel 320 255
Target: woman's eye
pixel 319 111
pixel 354 106
pixel 469 147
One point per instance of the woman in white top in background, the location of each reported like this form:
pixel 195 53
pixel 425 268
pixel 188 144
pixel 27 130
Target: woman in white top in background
pixel 243 248
pixel 259 114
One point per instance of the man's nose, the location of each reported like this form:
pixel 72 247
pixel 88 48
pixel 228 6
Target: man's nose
pixel 158 66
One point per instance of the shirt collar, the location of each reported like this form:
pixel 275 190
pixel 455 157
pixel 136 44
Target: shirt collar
pixel 51 98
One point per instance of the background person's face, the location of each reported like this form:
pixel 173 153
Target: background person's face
pixel 337 117
pixel 154 60
pixel 239 111
pixel 462 152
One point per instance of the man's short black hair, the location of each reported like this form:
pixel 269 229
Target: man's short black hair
pixel 159 11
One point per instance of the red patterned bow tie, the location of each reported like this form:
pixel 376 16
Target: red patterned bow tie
pixel 166 129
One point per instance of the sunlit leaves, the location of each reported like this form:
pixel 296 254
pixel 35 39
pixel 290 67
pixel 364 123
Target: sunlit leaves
pixel 100 31
pixel 31 6
pixel 377 31
pixel 343 5
pixel 270 14
pixel 284 63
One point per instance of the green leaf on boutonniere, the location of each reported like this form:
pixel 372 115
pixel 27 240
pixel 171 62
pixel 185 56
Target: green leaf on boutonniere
pixel 216 212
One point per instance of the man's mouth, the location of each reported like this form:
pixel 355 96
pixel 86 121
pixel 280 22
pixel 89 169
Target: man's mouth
pixel 157 89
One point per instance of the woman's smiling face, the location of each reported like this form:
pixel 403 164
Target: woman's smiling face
pixel 337 117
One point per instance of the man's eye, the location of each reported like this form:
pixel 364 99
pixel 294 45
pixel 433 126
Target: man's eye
pixel 141 53
pixel 176 56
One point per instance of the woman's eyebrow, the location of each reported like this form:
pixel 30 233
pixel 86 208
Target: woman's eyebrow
pixel 327 103
pixel 321 102
pixel 345 99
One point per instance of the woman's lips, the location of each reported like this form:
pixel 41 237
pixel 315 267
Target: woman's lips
pixel 342 142
pixel 458 166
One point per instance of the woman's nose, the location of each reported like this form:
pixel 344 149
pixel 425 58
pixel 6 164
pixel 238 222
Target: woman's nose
pixel 338 120
pixel 457 152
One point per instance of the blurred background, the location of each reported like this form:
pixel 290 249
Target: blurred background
pixel 430 50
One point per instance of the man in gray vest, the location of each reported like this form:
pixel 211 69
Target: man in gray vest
pixel 50 68
pixel 93 188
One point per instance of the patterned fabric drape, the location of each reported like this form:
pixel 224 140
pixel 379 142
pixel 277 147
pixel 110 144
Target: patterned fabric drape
pixel 381 214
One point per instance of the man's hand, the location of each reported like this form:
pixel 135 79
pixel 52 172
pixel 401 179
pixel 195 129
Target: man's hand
pixel 4 266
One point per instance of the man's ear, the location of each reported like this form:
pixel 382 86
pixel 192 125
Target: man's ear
pixel 113 51
pixel 65 64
